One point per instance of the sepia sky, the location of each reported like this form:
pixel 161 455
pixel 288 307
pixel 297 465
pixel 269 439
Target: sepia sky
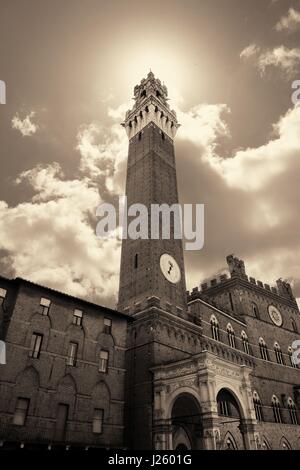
pixel 70 67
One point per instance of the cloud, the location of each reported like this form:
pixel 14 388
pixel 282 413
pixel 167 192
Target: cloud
pixel 251 196
pixel 249 51
pixel 290 22
pixel 285 59
pixel 25 126
pixel 51 238
pixel 253 168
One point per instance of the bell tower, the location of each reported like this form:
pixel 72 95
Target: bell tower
pixel 152 269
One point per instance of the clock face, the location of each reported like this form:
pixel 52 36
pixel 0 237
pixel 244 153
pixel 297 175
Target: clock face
pixel 275 315
pixel 170 268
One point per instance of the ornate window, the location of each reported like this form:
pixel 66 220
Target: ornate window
pixel 263 350
pixel 292 411
pixel 278 353
pixel 290 353
pixel 245 342
pixel 276 409
pixel 215 328
pixel 257 406
pixel 231 336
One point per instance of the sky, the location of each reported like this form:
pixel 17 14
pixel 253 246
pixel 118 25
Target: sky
pixel 70 68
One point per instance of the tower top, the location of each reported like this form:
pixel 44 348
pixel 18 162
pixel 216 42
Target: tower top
pixel 151 105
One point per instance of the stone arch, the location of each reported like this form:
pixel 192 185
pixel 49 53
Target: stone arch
pixel 40 320
pixel 284 444
pixel 236 394
pixel 101 398
pixel 66 390
pixel 229 442
pixel 186 421
pixel 265 445
pixel 27 386
pixel 181 440
pixel 180 391
pixel 29 376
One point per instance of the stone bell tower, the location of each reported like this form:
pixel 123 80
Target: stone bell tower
pixel 152 269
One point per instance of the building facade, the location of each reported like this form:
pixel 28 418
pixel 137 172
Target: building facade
pixel 169 369
pixel 63 381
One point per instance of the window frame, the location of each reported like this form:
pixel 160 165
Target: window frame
pixel 18 408
pixel 103 362
pixel 35 352
pixel 44 308
pixel 97 420
pixel 107 328
pixel 77 319
pixel 72 356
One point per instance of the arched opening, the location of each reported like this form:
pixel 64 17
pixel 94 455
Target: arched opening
pixel 230 421
pixel 187 430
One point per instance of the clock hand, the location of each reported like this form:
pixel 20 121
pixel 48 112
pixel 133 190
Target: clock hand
pixel 170 268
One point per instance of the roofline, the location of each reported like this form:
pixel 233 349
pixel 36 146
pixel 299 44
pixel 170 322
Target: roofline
pixel 20 280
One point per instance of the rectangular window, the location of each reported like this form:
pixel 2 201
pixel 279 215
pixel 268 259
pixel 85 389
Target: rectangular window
pixel 45 306
pixel 107 326
pixel 72 354
pixel 21 411
pixel 103 364
pixel 77 317
pixel 98 421
pixel 35 345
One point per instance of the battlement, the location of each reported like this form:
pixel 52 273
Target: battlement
pixel 151 105
pixel 236 270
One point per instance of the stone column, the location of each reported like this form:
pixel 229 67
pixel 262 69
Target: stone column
pixel 210 419
pixel 248 431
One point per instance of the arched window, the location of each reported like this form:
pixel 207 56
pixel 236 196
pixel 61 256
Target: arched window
pixel 263 350
pixel 278 353
pixel 143 94
pixel 294 326
pixel 255 310
pixel 276 409
pixel 227 404
pixel 290 353
pixel 136 260
pixel 231 336
pixel 215 328
pixel 292 411
pixel 257 407
pixel 140 136
pixel 245 342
